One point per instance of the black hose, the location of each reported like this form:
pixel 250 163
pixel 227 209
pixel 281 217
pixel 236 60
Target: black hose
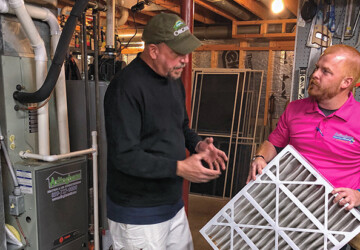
pixel 58 60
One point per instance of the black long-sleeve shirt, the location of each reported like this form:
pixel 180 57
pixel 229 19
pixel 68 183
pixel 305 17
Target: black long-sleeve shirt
pixel 147 131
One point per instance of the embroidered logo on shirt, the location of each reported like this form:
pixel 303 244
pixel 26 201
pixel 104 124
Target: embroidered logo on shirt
pixel 344 138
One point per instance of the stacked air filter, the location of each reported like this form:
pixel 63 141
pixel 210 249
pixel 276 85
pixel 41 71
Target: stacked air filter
pixel 288 206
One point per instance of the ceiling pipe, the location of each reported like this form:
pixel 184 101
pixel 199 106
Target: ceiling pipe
pixel 124 15
pixel 110 25
pixel 232 8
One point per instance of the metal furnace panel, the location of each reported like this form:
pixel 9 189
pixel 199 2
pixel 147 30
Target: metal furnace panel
pixel 288 206
pixel 62 205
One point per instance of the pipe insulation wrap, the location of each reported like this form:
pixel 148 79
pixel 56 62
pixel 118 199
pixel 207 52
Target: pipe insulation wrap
pixel 110 24
pixel 58 60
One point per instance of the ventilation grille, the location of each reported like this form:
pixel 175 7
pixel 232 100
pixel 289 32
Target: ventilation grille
pixel 288 206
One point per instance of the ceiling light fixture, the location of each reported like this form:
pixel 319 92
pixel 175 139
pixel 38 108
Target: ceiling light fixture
pixel 277 6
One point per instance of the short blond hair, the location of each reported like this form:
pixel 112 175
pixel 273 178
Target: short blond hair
pixel 352 61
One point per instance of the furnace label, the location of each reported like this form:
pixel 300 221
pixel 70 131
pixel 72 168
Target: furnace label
pixel 63 185
pixel 25 181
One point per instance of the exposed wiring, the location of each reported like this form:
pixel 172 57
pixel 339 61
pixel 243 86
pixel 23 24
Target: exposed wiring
pixel 136 30
pixel 21 231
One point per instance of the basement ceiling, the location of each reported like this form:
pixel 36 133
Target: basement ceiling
pixel 207 13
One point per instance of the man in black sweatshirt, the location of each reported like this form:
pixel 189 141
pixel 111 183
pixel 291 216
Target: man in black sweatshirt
pixel 148 131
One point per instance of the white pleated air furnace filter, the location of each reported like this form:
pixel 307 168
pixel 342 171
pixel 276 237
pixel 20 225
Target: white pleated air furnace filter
pixel 288 206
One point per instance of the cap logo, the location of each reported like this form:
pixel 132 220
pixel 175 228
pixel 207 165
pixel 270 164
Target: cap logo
pixel 178 24
pixel 180 31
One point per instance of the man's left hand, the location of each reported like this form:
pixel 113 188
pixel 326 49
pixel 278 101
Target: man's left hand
pixel 347 195
pixel 215 158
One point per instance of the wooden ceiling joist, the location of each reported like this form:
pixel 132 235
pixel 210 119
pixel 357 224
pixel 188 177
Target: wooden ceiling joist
pixel 176 9
pixel 292 5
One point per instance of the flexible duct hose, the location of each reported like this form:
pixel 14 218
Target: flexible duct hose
pixel 44 92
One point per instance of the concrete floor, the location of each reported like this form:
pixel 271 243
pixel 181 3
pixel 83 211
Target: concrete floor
pixel 200 210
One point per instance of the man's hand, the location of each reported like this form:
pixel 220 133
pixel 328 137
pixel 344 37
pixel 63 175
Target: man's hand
pixel 256 167
pixel 269 152
pixel 214 157
pixel 192 170
pixel 347 195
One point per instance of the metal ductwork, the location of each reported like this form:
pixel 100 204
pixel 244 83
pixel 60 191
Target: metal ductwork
pixel 213 32
pixel 232 8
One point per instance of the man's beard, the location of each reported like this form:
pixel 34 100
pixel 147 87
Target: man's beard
pixel 172 75
pixel 319 93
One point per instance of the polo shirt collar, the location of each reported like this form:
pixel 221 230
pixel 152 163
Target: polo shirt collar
pixel 344 112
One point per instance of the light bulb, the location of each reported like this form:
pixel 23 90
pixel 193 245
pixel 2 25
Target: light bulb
pixel 277 6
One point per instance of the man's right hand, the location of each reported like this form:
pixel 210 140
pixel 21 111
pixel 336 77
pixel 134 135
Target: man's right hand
pixel 269 152
pixel 256 167
pixel 192 170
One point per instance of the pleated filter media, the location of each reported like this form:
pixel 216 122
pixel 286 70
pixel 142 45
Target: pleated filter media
pixel 288 206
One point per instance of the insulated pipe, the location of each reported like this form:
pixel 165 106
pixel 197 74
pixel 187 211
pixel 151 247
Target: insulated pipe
pixel 58 60
pixel 65 10
pixel 124 15
pixel 110 24
pixel 47 16
pixel 94 151
pixel 41 69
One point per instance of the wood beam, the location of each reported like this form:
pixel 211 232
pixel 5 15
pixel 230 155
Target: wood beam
pixel 214 58
pixel 269 81
pixel 215 10
pixel 255 7
pixel 292 5
pixel 242 54
pixel 176 9
pixel 275 45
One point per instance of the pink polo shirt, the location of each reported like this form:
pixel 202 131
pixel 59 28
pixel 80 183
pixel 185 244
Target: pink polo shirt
pixel 331 144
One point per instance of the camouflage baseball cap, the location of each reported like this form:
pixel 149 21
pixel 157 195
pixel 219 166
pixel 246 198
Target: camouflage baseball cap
pixel 172 30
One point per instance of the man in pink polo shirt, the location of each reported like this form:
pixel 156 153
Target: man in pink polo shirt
pixel 324 128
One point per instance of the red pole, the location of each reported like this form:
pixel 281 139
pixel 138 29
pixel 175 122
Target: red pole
pixel 187 14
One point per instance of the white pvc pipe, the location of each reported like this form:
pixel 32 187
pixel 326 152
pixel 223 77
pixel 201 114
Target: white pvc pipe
pixel 94 151
pixel 95 190
pixel 47 16
pixel 43 112
pixel 61 105
pixel 41 69
pixel 51 158
pixel 124 14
